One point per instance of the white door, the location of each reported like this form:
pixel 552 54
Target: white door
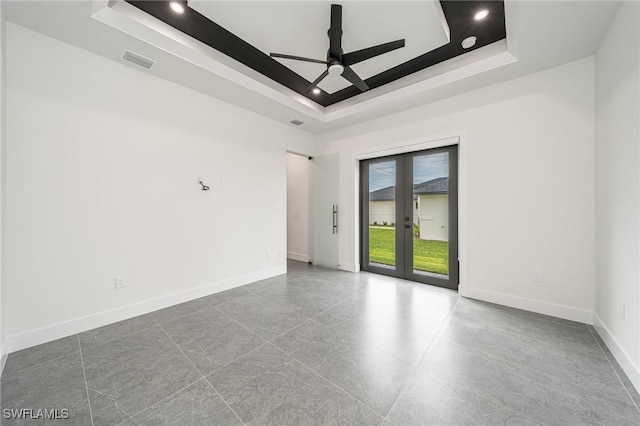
pixel 325 226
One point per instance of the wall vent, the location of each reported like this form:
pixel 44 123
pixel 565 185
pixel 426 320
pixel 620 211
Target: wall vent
pixel 296 122
pixel 137 59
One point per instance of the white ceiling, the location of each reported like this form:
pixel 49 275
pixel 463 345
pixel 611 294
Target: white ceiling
pixel 540 34
pixel 300 29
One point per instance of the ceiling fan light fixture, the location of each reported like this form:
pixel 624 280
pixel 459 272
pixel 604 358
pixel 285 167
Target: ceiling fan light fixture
pixel 469 42
pixel 481 15
pixel 339 63
pixel 336 69
pixel 176 7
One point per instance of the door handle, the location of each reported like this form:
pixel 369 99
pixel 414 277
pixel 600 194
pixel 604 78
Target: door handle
pixel 334 212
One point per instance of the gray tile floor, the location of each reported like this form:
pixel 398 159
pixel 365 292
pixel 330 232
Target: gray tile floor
pixel 316 346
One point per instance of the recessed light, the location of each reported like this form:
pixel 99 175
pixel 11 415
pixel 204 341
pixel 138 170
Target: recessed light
pixel 469 42
pixel 316 91
pixel 481 14
pixel 176 7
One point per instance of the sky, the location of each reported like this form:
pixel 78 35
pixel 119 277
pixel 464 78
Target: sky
pixel 425 168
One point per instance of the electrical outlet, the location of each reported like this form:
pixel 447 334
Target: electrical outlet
pixel 537 276
pixel 120 281
pixel 280 252
pixel 268 254
pixel 623 312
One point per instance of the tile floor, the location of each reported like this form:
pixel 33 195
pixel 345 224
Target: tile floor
pixel 316 346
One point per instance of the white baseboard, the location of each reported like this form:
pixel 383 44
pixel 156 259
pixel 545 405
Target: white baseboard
pixel 28 339
pixel 298 256
pixel 3 361
pixel 532 305
pixel 626 362
pixel 345 266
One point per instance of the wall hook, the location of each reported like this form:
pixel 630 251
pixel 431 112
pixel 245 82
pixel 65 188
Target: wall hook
pixel 204 187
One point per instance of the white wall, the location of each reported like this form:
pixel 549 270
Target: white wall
pixel 527 173
pixel 2 181
pixel 102 163
pixel 298 190
pixel 618 188
pixel 381 211
pixel 434 217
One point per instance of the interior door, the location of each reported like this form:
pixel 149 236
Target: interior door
pixel 325 226
pixel 409 207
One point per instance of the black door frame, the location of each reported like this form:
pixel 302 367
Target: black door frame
pixel 404 219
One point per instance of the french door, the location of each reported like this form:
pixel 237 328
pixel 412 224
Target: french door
pixel 409 216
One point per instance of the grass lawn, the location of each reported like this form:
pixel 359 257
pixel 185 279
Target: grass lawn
pixel 428 255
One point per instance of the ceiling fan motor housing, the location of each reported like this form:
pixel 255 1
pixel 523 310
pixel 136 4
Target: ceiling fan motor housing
pixel 336 68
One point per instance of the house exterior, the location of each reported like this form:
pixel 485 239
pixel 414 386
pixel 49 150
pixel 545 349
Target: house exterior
pixel 430 212
pixel 433 209
pixel 382 206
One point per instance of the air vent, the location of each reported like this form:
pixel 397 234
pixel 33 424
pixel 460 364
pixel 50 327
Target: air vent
pixel 296 122
pixel 137 59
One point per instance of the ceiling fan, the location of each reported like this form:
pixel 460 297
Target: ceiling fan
pixel 338 62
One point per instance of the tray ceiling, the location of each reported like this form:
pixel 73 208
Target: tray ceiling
pixel 248 31
pixel 540 35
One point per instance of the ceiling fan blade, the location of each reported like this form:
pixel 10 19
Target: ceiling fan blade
pixel 318 80
pixel 335 32
pixel 353 78
pixel 297 58
pixel 370 52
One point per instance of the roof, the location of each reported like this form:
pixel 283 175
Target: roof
pixel 384 194
pixel 434 186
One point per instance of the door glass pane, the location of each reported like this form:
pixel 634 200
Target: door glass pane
pixel 431 214
pixel 382 214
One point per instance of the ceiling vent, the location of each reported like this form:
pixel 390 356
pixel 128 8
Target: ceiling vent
pixel 137 59
pixel 296 122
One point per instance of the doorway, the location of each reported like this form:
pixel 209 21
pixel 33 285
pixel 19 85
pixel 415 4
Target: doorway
pixel 298 211
pixel 409 216
pixel 312 209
